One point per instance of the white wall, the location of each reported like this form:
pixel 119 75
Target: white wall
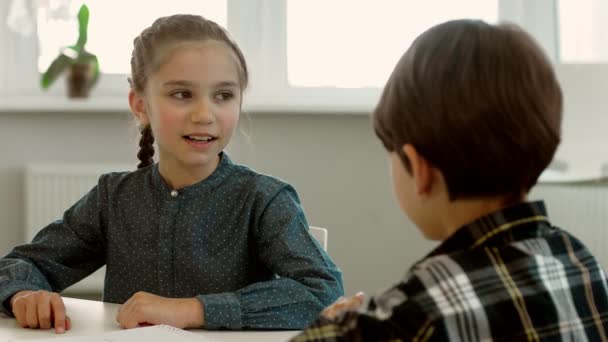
pixel 334 161
pixel 585 124
pixel 53 137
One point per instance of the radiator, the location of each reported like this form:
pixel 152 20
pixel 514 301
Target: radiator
pixel 50 189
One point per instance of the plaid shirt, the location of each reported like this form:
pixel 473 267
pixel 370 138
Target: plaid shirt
pixel 507 276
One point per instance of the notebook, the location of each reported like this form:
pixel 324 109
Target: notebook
pixel 149 334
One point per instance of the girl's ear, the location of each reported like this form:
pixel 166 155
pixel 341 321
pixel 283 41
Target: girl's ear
pixel 138 107
pixel 422 171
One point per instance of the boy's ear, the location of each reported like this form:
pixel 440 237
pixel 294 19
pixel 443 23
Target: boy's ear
pixel 422 171
pixel 138 107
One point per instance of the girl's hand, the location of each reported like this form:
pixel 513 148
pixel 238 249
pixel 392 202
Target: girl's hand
pixel 342 305
pixel 146 308
pixel 40 309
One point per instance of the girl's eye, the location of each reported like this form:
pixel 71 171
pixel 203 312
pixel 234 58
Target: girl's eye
pixel 181 95
pixel 224 96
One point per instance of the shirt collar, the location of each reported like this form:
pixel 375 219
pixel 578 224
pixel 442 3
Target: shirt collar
pixel 517 222
pixel 223 170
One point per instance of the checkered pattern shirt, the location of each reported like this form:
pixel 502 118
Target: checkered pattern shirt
pixel 507 276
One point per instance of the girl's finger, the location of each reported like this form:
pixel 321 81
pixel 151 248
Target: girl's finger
pixel 19 312
pixel 122 311
pixel 132 320
pixel 125 316
pixel 31 312
pixel 59 318
pixel 44 311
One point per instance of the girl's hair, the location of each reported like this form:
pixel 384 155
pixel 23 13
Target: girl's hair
pixel 146 148
pixel 480 102
pixel 165 32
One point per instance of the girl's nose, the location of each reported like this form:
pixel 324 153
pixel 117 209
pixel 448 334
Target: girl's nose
pixel 202 113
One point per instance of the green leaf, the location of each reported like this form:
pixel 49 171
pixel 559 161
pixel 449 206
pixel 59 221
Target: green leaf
pixel 55 69
pixel 83 24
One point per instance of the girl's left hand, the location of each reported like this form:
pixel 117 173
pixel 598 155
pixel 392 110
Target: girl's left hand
pixel 343 305
pixel 146 308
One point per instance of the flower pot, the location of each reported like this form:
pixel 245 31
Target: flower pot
pixel 80 79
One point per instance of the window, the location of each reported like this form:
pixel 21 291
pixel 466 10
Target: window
pixel 304 55
pixel 329 47
pixel 583 31
pixel 122 26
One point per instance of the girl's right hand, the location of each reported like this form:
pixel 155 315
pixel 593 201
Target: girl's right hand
pixel 40 309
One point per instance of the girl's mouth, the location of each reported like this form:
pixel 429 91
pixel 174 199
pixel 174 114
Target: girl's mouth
pixel 198 141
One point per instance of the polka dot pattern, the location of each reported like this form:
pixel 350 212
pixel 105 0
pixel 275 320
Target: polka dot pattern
pixel 238 241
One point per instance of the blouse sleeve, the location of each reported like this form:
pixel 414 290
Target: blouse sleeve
pixel 307 280
pixel 60 255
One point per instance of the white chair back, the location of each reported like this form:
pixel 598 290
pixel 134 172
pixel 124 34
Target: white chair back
pixel 321 235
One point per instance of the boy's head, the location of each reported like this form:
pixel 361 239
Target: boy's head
pixel 479 104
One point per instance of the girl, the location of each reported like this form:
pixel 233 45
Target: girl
pixel 195 240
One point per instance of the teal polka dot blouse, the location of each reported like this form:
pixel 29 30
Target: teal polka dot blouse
pixel 237 240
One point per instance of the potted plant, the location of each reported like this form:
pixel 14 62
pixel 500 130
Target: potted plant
pixel 81 65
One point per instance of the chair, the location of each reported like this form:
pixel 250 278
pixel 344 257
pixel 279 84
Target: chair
pixel 321 235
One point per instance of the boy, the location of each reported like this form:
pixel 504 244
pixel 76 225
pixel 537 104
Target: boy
pixel 470 117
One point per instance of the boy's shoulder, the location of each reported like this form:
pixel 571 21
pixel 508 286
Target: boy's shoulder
pixel 470 269
pixel 482 282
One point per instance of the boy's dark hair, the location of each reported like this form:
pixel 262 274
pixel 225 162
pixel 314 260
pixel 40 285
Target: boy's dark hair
pixel 480 102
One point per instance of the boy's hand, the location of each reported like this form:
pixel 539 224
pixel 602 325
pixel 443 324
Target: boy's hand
pixel 343 305
pixel 40 309
pixel 146 308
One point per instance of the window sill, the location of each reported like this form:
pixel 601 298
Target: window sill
pixel 51 104
pixel 119 104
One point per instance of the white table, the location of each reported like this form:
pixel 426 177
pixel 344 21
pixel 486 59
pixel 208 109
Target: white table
pixel 92 317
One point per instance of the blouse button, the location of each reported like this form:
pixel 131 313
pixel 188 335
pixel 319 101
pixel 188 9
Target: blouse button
pixel 174 193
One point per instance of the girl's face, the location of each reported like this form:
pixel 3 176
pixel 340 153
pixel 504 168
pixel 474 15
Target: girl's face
pixel 192 102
